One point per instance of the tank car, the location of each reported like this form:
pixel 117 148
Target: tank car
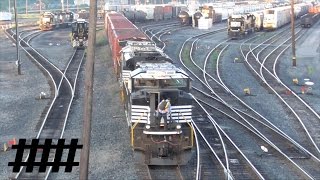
pixel 47 21
pixel 240 25
pixel 79 34
pixel 147 77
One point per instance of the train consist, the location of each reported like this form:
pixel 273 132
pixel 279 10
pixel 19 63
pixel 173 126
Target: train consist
pixel 142 13
pixel 268 19
pixel 215 12
pixel 147 76
pixel 79 34
pixel 275 18
pixel 241 25
pixel 49 20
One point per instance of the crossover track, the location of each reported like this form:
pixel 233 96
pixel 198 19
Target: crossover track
pixel 63 86
pixel 223 93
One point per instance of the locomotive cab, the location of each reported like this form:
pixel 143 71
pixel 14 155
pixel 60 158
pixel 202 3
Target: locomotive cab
pixel 240 25
pixel 80 29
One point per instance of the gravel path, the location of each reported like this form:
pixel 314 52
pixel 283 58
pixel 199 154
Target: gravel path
pixel 20 111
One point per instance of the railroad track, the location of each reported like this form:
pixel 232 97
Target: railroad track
pixel 227 90
pixel 155 33
pixel 295 106
pixel 63 85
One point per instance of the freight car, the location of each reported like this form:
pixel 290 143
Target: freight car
pixel 79 34
pixel 300 9
pixel 309 19
pixel 147 75
pixel 119 29
pixel 240 25
pixel 276 17
pixel 259 20
pixel 135 16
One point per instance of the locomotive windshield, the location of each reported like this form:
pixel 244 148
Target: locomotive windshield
pixel 79 27
pixel 160 83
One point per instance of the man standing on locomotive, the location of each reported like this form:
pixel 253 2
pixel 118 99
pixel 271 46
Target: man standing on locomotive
pixel 164 107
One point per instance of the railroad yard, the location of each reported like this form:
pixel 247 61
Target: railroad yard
pixel 255 115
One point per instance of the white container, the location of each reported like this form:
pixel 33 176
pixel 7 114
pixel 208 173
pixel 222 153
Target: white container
pixel 148 9
pixel 204 23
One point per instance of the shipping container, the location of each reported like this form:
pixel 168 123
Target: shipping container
pixel 204 23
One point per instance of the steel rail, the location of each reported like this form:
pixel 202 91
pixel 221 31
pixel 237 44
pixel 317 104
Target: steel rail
pixel 279 96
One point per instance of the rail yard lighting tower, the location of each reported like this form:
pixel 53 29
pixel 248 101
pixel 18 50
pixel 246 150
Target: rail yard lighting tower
pixel 62 5
pixel 26 7
pixel 293 38
pixel 17 37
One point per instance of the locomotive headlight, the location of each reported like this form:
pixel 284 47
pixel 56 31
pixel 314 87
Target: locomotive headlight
pixel 148 126
pixel 178 126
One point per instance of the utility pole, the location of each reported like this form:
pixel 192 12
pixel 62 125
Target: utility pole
pixel 9 6
pixel 27 7
pixel 40 6
pixel 17 37
pixel 62 5
pixel 87 113
pixel 293 38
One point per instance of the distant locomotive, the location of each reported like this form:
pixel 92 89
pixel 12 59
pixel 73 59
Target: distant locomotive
pixel 50 21
pixel 47 21
pixel 241 25
pixel 79 35
pixel 146 76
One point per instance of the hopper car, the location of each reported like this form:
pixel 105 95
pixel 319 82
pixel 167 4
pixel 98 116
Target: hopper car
pixel 309 19
pixel 146 76
pixel 241 25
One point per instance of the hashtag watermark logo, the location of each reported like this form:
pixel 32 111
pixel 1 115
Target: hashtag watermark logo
pixel 46 149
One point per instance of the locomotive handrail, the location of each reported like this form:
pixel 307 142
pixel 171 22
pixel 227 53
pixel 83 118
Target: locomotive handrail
pixel 191 133
pixel 134 126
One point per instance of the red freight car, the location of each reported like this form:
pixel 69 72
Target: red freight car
pixel 120 30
